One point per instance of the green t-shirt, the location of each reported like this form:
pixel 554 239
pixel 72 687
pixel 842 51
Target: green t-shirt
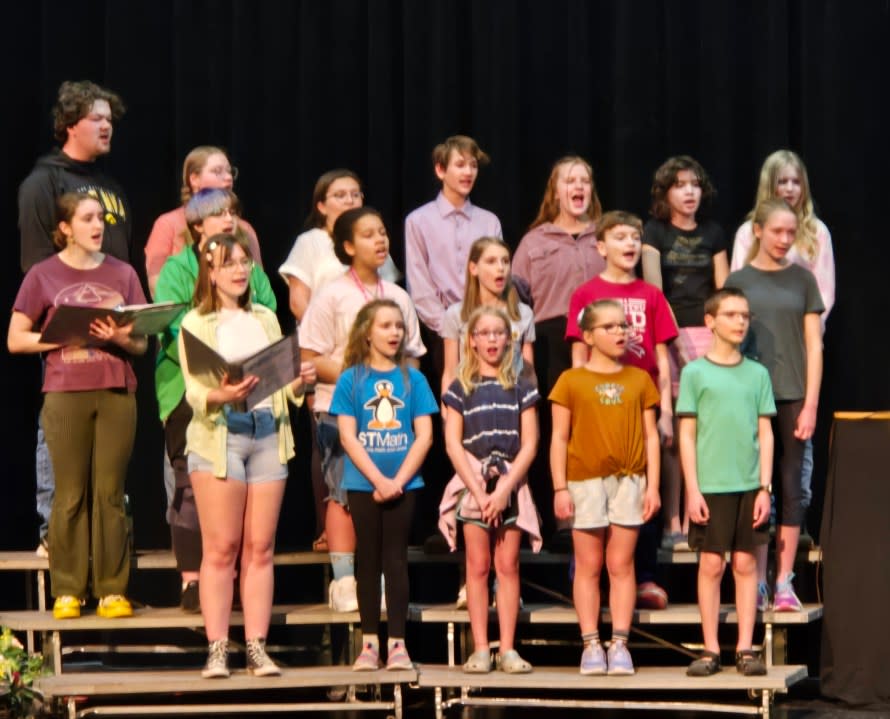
pixel 727 401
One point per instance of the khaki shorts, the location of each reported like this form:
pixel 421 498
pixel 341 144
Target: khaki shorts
pixel 602 501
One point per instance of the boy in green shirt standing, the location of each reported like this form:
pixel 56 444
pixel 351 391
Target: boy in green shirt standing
pixel 726 449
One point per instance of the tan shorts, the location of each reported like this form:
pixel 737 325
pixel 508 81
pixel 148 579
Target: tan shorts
pixel 602 501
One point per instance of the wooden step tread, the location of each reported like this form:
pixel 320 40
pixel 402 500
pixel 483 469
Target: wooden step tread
pixel 779 678
pixel 165 618
pixel 163 558
pixel 563 614
pixel 151 559
pixel 297 614
pixel 190 680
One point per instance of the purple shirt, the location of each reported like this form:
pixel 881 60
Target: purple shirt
pixel 51 283
pixel 552 264
pixel 438 237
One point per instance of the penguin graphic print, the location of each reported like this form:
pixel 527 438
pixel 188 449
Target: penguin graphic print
pixel 384 406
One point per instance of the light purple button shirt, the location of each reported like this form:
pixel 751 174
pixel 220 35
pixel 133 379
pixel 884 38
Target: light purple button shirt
pixel 438 237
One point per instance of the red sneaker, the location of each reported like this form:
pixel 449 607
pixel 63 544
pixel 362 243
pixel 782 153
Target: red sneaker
pixel 651 596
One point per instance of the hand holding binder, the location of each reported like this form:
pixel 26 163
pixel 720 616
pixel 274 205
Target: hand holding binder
pixel 272 367
pixel 71 324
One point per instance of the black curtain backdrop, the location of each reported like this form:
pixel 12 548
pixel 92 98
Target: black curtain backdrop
pixel 295 88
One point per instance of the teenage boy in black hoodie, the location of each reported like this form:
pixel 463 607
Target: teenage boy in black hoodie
pixel 83 118
pixel 82 122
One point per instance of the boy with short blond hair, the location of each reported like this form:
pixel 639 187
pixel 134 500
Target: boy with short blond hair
pixel 726 448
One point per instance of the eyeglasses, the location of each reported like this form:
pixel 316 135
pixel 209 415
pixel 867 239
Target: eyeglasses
pixel 230 265
pixel 341 195
pixel 490 334
pixel 220 171
pixel 746 316
pixel 613 328
pixel 223 212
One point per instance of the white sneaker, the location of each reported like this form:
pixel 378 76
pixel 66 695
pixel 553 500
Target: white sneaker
pixel 461 602
pixel 43 549
pixel 342 595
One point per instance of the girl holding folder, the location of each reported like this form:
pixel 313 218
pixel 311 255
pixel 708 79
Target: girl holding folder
pixel 237 460
pixel 89 408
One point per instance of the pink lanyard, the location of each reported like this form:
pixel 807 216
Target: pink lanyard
pixel 361 286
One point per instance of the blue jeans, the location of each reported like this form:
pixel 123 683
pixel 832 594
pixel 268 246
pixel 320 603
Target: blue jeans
pixel 332 457
pixel 806 475
pixel 46 480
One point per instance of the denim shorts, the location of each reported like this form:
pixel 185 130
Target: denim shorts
pixel 332 457
pixel 251 449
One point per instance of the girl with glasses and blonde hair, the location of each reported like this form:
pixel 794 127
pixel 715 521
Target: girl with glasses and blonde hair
pixel 491 435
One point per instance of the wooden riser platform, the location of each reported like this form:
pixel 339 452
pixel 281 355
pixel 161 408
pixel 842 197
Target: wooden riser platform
pixel 562 614
pixel 775 623
pixel 163 558
pixel 499 689
pixel 514 690
pixel 32 621
pixel 70 688
pixel 319 614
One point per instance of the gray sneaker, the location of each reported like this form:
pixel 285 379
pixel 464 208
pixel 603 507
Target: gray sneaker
pixel 259 663
pixel 619 659
pixel 217 665
pixel 593 659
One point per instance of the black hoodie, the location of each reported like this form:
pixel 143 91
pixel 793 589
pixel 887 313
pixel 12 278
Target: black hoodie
pixel 54 175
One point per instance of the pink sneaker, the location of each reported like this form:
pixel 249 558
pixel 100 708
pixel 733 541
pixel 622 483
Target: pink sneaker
pixel 398 658
pixel 785 600
pixel 368 660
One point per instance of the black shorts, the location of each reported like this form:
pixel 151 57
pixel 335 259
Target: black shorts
pixel 731 527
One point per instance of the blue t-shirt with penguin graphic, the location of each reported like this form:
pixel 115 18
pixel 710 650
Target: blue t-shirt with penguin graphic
pixel 384 405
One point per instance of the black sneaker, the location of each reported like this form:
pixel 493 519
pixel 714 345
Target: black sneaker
pixel 749 663
pixel 707 664
pixel 190 600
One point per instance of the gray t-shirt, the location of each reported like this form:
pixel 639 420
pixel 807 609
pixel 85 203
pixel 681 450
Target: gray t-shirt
pixel 779 300
pixel 453 328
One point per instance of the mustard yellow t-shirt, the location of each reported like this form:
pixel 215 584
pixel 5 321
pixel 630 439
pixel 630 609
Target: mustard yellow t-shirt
pixel 606 435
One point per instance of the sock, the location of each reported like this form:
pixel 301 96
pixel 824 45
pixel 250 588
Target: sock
pixel 392 641
pixel 591 637
pixel 372 640
pixel 343 564
pixel 620 636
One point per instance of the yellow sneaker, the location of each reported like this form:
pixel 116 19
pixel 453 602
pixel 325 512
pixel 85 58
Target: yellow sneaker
pixel 66 607
pixel 113 606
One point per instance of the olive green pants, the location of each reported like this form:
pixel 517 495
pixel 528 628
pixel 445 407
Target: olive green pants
pixel 90 439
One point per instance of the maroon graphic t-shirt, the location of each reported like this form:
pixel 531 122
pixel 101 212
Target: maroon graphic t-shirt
pixel 51 283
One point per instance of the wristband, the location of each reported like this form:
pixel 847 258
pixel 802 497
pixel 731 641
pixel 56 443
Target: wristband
pixel 560 489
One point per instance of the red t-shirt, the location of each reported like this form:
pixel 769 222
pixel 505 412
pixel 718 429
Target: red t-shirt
pixel 51 283
pixel 647 312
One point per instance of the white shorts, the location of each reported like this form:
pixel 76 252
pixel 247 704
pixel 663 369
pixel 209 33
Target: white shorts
pixel 602 501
